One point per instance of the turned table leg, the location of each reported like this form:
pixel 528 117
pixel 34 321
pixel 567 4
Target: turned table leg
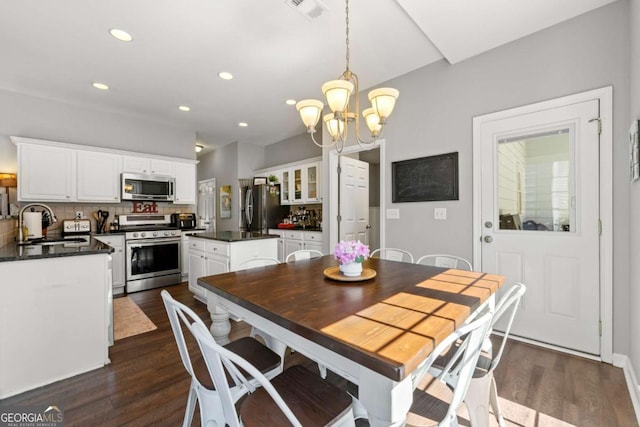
pixel 220 325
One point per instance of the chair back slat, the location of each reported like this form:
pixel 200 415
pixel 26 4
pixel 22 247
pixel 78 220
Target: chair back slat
pixel 508 305
pixel 445 261
pixel 303 254
pixel 393 254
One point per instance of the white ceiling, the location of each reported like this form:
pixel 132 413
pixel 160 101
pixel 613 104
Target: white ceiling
pixel 56 49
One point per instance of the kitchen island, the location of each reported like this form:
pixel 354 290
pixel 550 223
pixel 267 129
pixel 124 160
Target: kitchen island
pixel 222 252
pixel 55 314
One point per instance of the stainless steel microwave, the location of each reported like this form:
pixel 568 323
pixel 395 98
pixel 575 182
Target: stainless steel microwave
pixel 158 188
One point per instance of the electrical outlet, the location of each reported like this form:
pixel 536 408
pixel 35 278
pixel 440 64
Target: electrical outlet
pixel 440 213
pixel 393 213
pixel 79 214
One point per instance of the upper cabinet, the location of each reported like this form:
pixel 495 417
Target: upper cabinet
pixel 299 183
pixel 46 173
pixel 147 165
pixel 185 191
pixel 56 172
pixel 98 177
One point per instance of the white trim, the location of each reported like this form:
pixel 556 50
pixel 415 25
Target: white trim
pixel 623 361
pixel 605 95
pixel 333 189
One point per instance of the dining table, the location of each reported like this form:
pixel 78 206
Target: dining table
pixel 373 330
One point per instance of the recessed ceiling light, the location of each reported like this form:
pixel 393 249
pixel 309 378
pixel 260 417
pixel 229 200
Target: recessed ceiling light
pixel 100 86
pixel 243 124
pixel 225 75
pixel 184 108
pixel 290 102
pixel 121 35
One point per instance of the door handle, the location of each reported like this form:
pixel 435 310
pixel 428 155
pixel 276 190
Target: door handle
pixel 488 239
pixel 368 226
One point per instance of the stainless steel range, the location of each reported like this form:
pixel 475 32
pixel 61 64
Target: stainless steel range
pixel 153 251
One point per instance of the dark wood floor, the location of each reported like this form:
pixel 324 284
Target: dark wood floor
pixel 146 384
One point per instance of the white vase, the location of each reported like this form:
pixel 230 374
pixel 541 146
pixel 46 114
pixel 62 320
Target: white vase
pixel 351 268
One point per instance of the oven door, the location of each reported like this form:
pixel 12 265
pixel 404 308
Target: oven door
pixel 152 258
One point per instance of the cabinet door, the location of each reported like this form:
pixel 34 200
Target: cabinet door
pixel 298 186
pixel 196 270
pixel 46 173
pixel 136 164
pixel 311 181
pixel 117 260
pixel 281 255
pixel 292 246
pixel 216 264
pixel 313 245
pixel 285 188
pixel 185 191
pixel 98 177
pixel 162 167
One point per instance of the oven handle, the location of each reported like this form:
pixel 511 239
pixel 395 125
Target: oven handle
pixel 152 242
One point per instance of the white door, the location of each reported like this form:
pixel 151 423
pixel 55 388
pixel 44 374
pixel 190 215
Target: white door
pixel 540 219
pixel 207 204
pixel 354 200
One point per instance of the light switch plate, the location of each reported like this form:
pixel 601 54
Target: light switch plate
pixel 440 213
pixel 393 213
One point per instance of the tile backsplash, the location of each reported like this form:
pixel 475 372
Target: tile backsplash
pixel 9 227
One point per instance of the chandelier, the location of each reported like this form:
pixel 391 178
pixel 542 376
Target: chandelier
pixel 338 94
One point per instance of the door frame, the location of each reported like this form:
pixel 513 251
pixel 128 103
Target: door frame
pixel 333 189
pixel 605 96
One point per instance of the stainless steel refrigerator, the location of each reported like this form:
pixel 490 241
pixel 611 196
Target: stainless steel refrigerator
pixel 260 207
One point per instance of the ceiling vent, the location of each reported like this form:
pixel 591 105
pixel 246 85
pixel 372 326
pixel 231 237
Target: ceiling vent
pixel 310 9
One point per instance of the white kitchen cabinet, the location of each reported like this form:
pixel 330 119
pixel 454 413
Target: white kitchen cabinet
pixel 311 183
pixel 185 191
pixel 147 165
pixel 116 241
pixel 98 178
pixel 285 188
pixel 294 240
pixel 300 183
pixel 281 256
pixel 46 173
pixel 185 251
pixel 313 240
pixel 208 257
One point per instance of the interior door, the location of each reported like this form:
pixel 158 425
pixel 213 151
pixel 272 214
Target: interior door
pixel 207 204
pixel 354 200
pixel 540 220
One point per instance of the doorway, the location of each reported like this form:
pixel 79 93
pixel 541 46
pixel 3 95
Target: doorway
pixel 373 155
pixel 542 191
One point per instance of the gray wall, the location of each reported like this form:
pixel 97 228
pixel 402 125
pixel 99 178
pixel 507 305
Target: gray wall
pixel 299 147
pixel 437 103
pixel 33 117
pixel 634 226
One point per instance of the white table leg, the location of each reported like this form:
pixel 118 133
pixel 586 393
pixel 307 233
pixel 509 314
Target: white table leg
pixel 220 325
pixel 387 402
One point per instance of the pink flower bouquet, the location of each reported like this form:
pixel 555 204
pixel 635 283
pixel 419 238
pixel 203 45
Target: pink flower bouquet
pixel 351 251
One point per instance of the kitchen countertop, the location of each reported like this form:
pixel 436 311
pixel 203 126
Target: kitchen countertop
pixel 235 236
pixel 15 252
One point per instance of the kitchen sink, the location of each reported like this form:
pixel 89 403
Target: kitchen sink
pixel 52 241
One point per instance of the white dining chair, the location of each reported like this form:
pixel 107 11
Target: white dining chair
pixel 392 254
pixel 303 254
pixel 295 397
pixel 201 390
pixel 445 261
pixel 257 262
pixel 435 404
pixel 483 393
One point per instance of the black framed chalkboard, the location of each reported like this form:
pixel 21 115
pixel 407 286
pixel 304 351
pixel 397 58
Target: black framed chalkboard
pixel 425 179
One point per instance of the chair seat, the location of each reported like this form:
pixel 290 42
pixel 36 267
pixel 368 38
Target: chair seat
pixel 430 403
pixel 324 404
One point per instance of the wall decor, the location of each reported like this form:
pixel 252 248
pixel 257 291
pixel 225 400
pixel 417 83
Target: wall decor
pixel 225 201
pixel 259 180
pixel 634 153
pixel 425 179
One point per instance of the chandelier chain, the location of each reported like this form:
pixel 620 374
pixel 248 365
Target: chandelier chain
pixel 347 31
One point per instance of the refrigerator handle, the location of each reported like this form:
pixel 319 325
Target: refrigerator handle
pixel 249 207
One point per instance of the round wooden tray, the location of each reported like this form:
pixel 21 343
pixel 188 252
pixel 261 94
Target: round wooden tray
pixel 333 273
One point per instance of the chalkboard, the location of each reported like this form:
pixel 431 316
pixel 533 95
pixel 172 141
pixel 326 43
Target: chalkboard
pixel 425 179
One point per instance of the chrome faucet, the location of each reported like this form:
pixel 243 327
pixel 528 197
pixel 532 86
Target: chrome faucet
pixel 20 215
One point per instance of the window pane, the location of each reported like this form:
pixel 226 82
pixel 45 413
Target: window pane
pixel 535 183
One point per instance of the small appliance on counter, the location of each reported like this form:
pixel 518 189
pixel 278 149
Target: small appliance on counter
pixel 184 221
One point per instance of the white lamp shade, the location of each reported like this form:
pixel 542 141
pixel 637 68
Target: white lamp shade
pixel 337 93
pixel 383 100
pixel 373 121
pixel 334 126
pixel 310 111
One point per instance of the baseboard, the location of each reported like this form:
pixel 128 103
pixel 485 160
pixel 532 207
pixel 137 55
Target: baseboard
pixel 623 361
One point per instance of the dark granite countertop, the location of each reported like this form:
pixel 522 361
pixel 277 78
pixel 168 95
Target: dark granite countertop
pixel 15 252
pixel 235 236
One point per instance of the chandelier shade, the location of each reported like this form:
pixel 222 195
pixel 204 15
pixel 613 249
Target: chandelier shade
pixel 310 111
pixel 338 94
pixel 383 100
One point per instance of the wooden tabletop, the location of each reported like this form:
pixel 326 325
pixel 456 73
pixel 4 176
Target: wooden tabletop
pixel 389 323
